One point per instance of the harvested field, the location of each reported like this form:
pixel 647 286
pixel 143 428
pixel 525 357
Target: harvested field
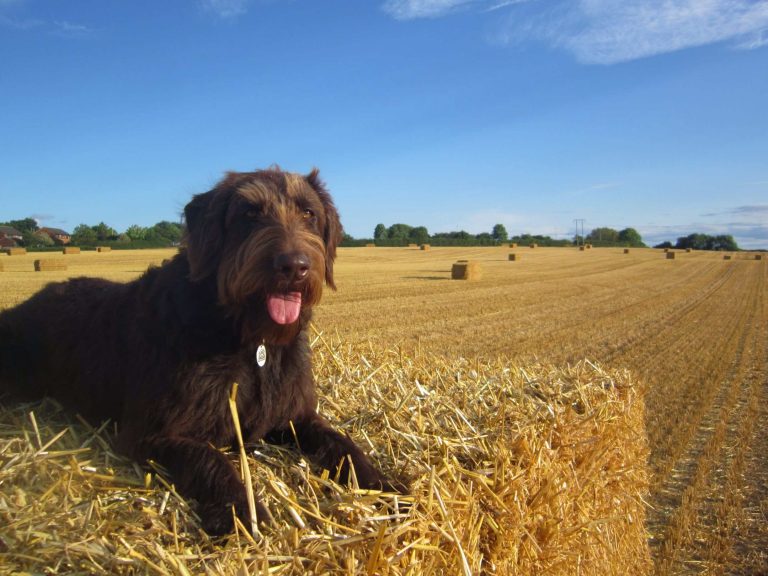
pixel 691 333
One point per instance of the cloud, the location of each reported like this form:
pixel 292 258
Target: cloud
pixel 225 8
pixel 612 31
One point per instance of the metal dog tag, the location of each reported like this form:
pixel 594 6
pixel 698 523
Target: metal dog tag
pixel 261 355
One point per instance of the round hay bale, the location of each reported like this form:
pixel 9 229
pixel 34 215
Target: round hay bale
pixel 50 265
pixel 72 250
pixel 465 270
pixel 103 249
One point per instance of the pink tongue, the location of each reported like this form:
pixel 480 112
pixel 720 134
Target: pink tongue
pixel 284 308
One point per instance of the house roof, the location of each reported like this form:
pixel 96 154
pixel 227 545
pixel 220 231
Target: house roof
pixel 55 231
pixel 9 231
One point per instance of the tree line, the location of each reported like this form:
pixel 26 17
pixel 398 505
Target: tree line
pixel 159 235
pixel 404 234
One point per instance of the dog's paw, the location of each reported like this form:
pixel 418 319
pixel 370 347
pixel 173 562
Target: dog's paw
pixel 217 517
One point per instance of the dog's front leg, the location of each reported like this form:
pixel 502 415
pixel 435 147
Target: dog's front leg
pixel 202 473
pixel 333 451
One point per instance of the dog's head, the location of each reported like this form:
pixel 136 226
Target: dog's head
pixel 269 239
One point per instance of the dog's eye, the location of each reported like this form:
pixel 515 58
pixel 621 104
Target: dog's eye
pixel 253 213
pixel 307 214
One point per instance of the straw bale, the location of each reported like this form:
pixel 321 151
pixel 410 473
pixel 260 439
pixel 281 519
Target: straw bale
pixel 514 470
pixel 1 266
pixel 670 255
pixel 688 250
pixel 758 256
pixel 466 270
pixel 727 257
pixel 71 250
pixel 413 245
pixel 513 244
pixel 103 248
pixel 50 265
pixel 370 245
pixel 534 245
pixel 626 250
pixel 425 246
pixel 17 251
pixel 513 257
pixel 582 248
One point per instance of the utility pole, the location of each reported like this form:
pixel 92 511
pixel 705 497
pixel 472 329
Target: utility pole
pixel 578 221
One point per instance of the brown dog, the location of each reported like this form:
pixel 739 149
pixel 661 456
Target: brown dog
pixel 159 355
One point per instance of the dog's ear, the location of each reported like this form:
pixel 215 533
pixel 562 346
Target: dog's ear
pixel 333 232
pixel 204 232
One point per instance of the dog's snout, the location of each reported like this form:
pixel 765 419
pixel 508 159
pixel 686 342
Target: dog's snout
pixel 293 266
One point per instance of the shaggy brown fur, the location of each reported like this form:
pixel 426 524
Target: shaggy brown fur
pixel 159 355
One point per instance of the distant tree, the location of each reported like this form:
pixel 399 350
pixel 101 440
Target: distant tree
pixel 37 239
pixel 665 244
pixel 168 232
pixel 603 236
pixel 499 233
pixel 724 242
pixel 136 232
pixel 399 231
pixel 25 225
pixel 698 241
pixel 380 233
pixel 631 237
pixel 104 233
pixel 84 235
pixel 419 235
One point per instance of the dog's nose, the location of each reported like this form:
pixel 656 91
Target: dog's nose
pixel 293 266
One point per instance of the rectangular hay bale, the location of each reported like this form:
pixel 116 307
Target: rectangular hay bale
pixel 670 255
pixel 72 250
pixel 466 270
pixel 17 251
pixel 514 257
pixel 50 265
pixel 425 246
pixel 103 249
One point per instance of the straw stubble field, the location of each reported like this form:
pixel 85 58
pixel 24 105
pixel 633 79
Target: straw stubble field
pixel 525 457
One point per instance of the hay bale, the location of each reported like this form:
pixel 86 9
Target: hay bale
pixel 589 246
pixel 534 245
pixel 626 250
pixel 670 255
pixel 758 256
pixel 688 250
pixel 17 251
pixel 425 246
pixel 525 470
pixel 71 250
pixel 514 257
pixel 103 248
pixel 370 245
pixel 413 245
pixel 50 265
pixel 727 257
pixel 466 270
pixel 1 266
pixel 513 244
pixel 582 248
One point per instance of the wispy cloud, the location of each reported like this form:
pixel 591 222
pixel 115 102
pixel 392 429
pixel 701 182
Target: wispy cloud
pixel 225 8
pixel 613 31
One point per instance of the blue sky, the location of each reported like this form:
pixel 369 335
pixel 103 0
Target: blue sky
pixel 452 114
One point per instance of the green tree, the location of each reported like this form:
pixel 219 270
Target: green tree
pixel 631 237
pixel 25 225
pixel 419 235
pixel 136 232
pixel 84 235
pixel 380 233
pixel 604 235
pixel 104 232
pixel 167 232
pixel 399 231
pixel 499 233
